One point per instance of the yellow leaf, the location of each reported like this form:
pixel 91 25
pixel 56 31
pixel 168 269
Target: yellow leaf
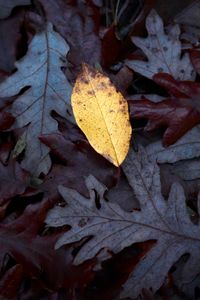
pixel 102 114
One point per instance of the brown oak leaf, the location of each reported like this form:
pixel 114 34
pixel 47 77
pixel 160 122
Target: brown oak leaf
pixel 179 112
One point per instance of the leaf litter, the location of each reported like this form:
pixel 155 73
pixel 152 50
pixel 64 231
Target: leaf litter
pixel 163 51
pixel 46 92
pixel 167 222
pixel 112 232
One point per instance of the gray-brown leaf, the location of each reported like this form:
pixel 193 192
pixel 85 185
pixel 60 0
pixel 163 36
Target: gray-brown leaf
pixel 111 228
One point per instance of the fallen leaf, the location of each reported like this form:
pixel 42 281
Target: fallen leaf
pixel 79 160
pixel 186 170
pixel 187 147
pixel 189 16
pixel 7 6
pixel 6 146
pixel 44 92
pixel 6 120
pixel 169 173
pixel 163 52
pixel 23 241
pixel 195 59
pixel 109 227
pixel 10 283
pixel 102 114
pixel 84 20
pixel 122 194
pixel 123 79
pixel 13 181
pixel 179 113
pixel 111 46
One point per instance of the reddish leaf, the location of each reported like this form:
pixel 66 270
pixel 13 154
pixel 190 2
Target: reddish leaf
pixel 10 282
pixel 35 253
pixel 111 47
pixel 6 146
pixel 6 120
pixel 195 59
pixel 123 79
pixel 179 113
pixel 81 160
pixel 81 34
pixel 13 181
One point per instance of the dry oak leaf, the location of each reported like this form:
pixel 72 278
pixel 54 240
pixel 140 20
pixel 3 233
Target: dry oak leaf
pixel 47 89
pixel 186 148
pixel 7 6
pixel 179 112
pixel 163 52
pixel 102 114
pixel 109 227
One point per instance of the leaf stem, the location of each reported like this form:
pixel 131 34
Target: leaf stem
pixel 116 12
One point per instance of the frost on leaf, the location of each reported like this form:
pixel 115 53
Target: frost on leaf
pixel 162 50
pixel 47 89
pixel 109 227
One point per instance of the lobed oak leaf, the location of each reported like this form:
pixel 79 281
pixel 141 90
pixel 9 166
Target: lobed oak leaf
pixel 44 92
pixel 179 113
pixel 163 52
pixel 107 226
pixel 102 114
pixel 186 148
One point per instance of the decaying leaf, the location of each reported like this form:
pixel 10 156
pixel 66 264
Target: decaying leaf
pixel 46 89
pixel 102 114
pixel 109 227
pixel 7 6
pixel 162 50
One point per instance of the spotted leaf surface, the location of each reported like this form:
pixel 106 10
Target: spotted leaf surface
pixel 162 50
pixel 102 114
